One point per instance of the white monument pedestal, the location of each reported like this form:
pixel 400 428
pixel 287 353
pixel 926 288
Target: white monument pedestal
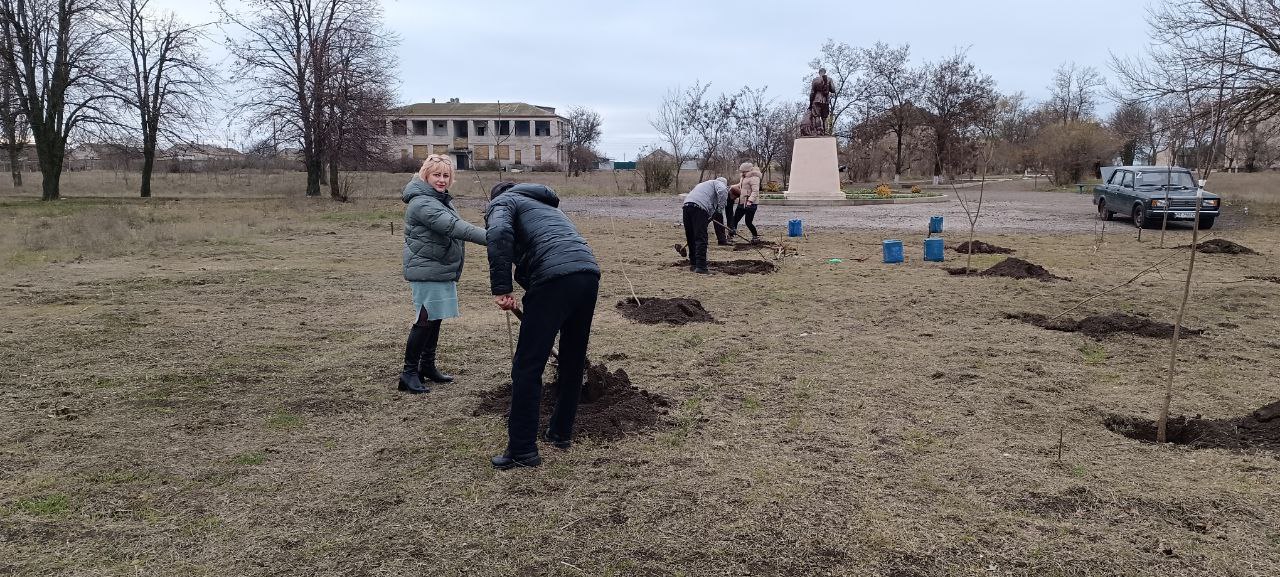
pixel 815 170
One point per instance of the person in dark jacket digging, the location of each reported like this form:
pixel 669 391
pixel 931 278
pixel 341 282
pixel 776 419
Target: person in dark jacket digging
pixel 561 279
pixel 705 200
pixel 433 255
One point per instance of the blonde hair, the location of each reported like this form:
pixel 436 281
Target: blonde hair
pixel 433 162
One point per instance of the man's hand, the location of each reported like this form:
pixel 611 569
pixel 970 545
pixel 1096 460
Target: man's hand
pixel 505 302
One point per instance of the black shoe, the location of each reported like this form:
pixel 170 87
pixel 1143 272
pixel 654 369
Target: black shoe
pixel 701 270
pixel 555 440
pixel 411 383
pixel 507 461
pixel 427 362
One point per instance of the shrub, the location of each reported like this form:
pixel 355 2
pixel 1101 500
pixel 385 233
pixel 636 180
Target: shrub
pixel 546 167
pixel 657 173
pixel 773 186
pixel 915 189
pixel 883 191
pixel 406 164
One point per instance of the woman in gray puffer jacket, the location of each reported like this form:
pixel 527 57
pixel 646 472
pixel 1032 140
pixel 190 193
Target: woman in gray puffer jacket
pixel 433 255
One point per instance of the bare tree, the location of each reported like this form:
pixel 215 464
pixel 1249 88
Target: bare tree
pixel 165 80
pixel 286 54
pixel 1073 92
pixel 581 135
pixel 360 95
pixel 843 64
pixel 763 128
pixel 57 65
pixel 1130 121
pixel 892 87
pixel 958 97
pixel 14 129
pixel 670 125
pixel 709 120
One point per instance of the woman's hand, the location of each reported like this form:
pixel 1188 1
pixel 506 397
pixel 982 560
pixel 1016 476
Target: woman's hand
pixel 505 302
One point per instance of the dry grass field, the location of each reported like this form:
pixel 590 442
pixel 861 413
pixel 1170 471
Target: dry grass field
pixel 203 384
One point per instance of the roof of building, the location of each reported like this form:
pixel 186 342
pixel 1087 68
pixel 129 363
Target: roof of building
pixel 489 109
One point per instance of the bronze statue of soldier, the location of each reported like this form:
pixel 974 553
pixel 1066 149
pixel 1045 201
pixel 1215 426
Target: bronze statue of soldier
pixel 820 91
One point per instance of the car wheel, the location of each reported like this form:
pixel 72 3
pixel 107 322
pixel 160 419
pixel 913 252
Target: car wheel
pixel 1139 216
pixel 1206 223
pixel 1103 213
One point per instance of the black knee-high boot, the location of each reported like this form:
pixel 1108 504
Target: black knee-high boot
pixel 427 367
pixel 410 381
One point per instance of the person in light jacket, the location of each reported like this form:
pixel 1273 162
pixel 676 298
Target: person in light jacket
pixel 705 200
pixel 749 186
pixel 433 257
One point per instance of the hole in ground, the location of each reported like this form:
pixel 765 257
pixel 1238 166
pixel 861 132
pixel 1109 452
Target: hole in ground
pixel 1258 430
pixel 653 310
pixel 980 247
pixel 734 267
pixel 1098 326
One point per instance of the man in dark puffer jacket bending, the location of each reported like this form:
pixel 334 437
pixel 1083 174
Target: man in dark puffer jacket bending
pixel 560 278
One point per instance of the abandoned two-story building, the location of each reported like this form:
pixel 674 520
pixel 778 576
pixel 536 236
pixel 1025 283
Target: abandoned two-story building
pixel 508 133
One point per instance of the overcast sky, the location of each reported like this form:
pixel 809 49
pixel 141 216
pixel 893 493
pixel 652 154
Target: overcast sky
pixel 620 59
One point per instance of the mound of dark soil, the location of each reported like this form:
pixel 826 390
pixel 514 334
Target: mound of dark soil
pixel 610 405
pixel 1098 326
pixel 652 311
pixel 1258 430
pixel 957 271
pixel 1221 246
pixel 761 244
pixel 734 267
pixel 1013 267
pixel 980 247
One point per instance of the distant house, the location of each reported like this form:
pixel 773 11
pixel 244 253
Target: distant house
pixel 660 154
pixel 604 163
pixel 100 155
pixel 190 152
pixel 509 133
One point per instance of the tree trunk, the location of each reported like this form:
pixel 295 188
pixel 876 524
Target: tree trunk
pixel 148 164
pixel 14 167
pixel 51 155
pixel 335 189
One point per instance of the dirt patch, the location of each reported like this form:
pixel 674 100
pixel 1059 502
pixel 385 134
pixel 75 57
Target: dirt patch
pixel 762 245
pixel 1021 269
pixel 960 270
pixel 1098 326
pixel 1258 430
pixel 652 311
pixel 734 267
pixel 610 405
pixel 1274 279
pixel 980 247
pixel 1221 246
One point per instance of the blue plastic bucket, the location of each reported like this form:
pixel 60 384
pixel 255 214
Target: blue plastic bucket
pixel 935 225
pixel 892 251
pixel 794 228
pixel 933 248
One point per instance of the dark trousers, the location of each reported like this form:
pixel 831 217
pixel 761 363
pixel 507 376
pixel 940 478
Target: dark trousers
pixel 750 213
pixel 564 305
pixel 695 233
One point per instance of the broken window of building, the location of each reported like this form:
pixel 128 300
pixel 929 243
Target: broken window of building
pixel 522 128
pixel 542 128
pixel 399 128
pixel 482 127
pixel 440 128
pixel 422 127
pixel 459 129
pixel 504 128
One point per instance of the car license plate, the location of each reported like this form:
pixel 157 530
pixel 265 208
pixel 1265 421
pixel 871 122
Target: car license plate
pixel 1184 214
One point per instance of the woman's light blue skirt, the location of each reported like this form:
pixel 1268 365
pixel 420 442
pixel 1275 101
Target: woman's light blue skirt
pixel 439 298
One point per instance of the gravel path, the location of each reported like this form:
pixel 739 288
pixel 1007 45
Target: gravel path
pixel 1001 211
